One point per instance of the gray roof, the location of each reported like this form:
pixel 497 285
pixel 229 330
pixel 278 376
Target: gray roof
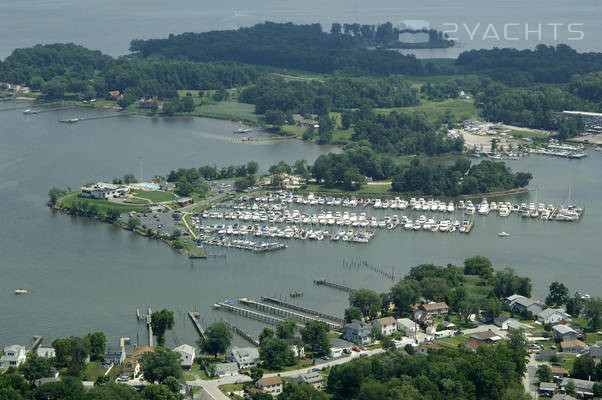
pixel 310 377
pixel 548 312
pixel 226 367
pixel 579 383
pixel 242 353
pixel 500 319
pixel 340 343
pixel 515 324
pixel 358 325
pixel 562 329
pixel 525 302
pixel 115 349
pixel 595 352
pixel 406 323
pixel 547 386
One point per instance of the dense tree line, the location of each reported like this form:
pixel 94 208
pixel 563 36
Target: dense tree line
pixel 545 64
pixel 588 87
pixel 59 68
pixel 286 45
pixel 319 97
pixel 460 178
pixel 492 372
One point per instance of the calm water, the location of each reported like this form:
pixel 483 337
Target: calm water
pixel 111 24
pixel 84 276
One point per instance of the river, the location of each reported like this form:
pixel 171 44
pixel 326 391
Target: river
pixel 85 276
pixel 110 25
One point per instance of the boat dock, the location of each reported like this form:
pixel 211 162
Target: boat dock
pixel 147 319
pixel 282 312
pixel 468 227
pixel 268 319
pixel 302 309
pixel 36 342
pixel 324 282
pixel 241 333
pixel 195 320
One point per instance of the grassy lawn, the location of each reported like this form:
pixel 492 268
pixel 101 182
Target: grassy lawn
pixel 93 370
pixel 229 110
pixel 461 109
pixel 188 377
pixel 452 342
pixel 232 387
pixel 156 196
pixel 519 134
pixel 372 188
pixel 103 205
pixel 592 338
pixel 567 362
pixel 301 365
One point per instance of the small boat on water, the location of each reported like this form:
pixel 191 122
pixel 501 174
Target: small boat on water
pixel 503 234
pixel 20 291
pixel 29 111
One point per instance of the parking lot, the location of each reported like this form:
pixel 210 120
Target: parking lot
pixel 163 222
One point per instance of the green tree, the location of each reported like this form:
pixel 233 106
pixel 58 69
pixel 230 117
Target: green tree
pixel 256 373
pixel 188 104
pixel 158 392
pixel 113 214
pixel 478 265
pixel 275 353
pixel 367 300
pixel 217 339
pixel 161 321
pixel 574 306
pixel 133 223
pixel 592 311
pixel 302 391
pixel 544 373
pixel 173 384
pixel 274 117
pixel 570 388
pixel 286 329
pixel 352 313
pixel 315 336
pixel 184 188
pixel 98 344
pixel 35 367
pixel 160 364
pixel 404 294
pixel 53 195
pixel 111 391
pixel 492 308
pixel 252 167
pixel 346 120
pixel 583 368
pixel 558 295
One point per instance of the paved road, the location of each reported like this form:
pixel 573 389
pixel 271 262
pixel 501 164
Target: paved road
pixel 529 379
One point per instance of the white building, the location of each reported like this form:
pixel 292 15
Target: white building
pixel 387 326
pixel 226 369
pixel 407 326
pixel 271 385
pixel 187 354
pixel 244 357
pixel 552 316
pixel 13 356
pixel 46 352
pixel 104 191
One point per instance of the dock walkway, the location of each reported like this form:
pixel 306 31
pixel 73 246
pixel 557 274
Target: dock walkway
pixel 241 333
pixel 324 282
pixel 285 313
pixel 197 325
pixel 302 309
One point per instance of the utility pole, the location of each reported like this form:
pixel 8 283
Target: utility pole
pixel 139 168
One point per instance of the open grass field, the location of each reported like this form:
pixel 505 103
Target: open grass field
pixel 103 205
pixel 519 134
pixel 372 188
pixel 155 196
pixel 460 109
pixel 452 342
pixel 93 370
pixel 229 110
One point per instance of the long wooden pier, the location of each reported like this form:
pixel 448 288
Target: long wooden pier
pixel 151 339
pixel 324 282
pixel 268 319
pixel 241 333
pixel 282 312
pixel 302 309
pixel 36 343
pixel 197 325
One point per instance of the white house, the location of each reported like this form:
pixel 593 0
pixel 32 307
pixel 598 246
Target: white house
pixel 338 346
pixel 226 369
pixel 358 332
pixel 295 345
pixel 552 316
pixel 46 352
pixel 407 326
pixel 13 356
pixel 244 357
pixel 187 354
pixel 563 332
pixel 271 385
pixel 387 326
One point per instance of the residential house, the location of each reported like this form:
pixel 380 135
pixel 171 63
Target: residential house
pixel 115 355
pixel 423 349
pixel 313 378
pixel 595 351
pixel 473 343
pixel 513 323
pixel 338 346
pixel 13 356
pixel 520 304
pixel 226 369
pixel 387 325
pixel 187 355
pixel 448 325
pixel 271 385
pixel 46 352
pixel 295 345
pixel 485 337
pixel 113 95
pixel 358 332
pixel 501 321
pixel 552 316
pixel 547 389
pixel 563 332
pixel 140 350
pixel 573 346
pixel 244 357
pixel 148 103
pixel 300 120
pixel 131 367
pixel 435 309
pixel 407 326
pixel 584 388
pixel 422 318
pixel 548 355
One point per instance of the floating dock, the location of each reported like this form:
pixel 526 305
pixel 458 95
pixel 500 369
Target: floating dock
pixel 302 309
pixel 242 333
pixel 324 282
pixel 282 312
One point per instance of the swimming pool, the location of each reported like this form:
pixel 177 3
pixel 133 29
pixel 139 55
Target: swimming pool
pixel 149 186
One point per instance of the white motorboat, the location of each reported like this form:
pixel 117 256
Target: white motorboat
pixel 503 234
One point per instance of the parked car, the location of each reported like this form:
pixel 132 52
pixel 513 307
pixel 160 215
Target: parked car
pixel 347 351
pixel 356 349
pixel 326 358
pixel 364 355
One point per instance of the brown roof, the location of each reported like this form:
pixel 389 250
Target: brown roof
pixel 473 343
pixel 386 320
pixel 484 335
pixel 434 306
pixel 128 360
pixel 558 370
pixel 273 380
pixel 433 346
pixel 140 350
pixel 572 343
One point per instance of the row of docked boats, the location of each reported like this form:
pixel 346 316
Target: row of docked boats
pixel 532 210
